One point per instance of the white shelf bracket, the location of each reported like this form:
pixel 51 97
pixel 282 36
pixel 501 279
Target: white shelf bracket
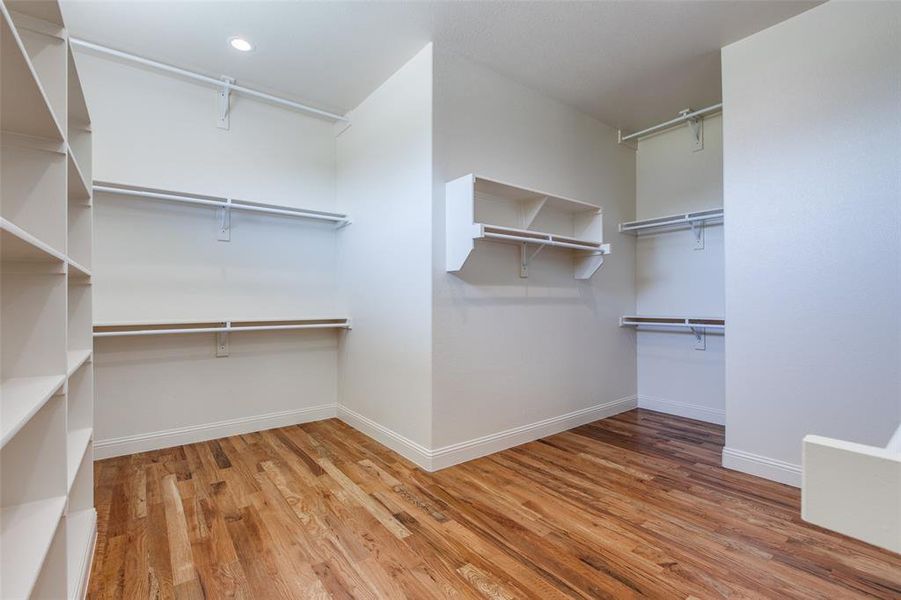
pixel 223 100
pixel 697 229
pixel 224 217
pixel 696 125
pixel 526 258
pixel 700 334
pixel 222 342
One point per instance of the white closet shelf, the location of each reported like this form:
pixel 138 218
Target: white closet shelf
pixel 79 537
pixel 22 398
pixel 79 190
pixel 136 329
pixel 16 244
pixel 76 358
pixel 26 108
pixel 477 208
pixel 219 202
pixel 672 221
pixel 679 322
pixel 77 444
pixel 78 271
pixel 27 531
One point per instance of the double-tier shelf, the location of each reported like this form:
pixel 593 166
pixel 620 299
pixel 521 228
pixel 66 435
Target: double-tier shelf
pixel 47 518
pixel 478 208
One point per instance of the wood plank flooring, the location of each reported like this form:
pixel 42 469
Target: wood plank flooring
pixel 632 506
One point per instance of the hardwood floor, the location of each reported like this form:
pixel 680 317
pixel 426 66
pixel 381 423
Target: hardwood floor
pixel 632 506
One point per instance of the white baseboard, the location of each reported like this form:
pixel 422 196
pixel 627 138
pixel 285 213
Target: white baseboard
pixel 446 456
pixel 683 409
pixel 412 451
pixel 158 440
pixel 762 466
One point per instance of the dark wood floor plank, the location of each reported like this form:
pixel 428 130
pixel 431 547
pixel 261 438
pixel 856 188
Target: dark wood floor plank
pixel 634 506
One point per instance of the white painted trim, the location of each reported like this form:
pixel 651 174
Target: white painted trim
pixel 446 456
pixel 762 466
pixel 683 409
pixel 157 440
pixel 412 451
pixel 87 561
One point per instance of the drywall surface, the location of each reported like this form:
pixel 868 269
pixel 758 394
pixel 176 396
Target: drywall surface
pixel 385 181
pixel 673 278
pixel 156 261
pixel 508 352
pixel 812 148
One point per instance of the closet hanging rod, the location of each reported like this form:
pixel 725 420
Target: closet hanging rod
pixel 228 328
pixel 672 122
pixel 221 203
pixel 210 80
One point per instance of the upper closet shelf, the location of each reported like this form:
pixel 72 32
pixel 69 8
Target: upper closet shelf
pixel 26 108
pixel 483 209
pixel 223 204
pixel 671 221
pixel 680 322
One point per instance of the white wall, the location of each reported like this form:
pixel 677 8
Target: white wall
pixel 512 352
pixel 812 141
pixel 672 278
pixel 161 262
pixel 384 182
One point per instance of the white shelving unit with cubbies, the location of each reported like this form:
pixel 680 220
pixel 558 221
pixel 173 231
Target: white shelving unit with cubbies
pixel 47 518
pixel 478 208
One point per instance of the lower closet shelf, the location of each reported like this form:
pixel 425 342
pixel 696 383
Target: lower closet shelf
pixel 21 398
pixel 80 531
pixel 136 329
pixel 27 531
pixel 77 445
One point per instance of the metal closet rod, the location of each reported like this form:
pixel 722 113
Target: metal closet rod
pixel 210 80
pixel 671 122
pixel 223 203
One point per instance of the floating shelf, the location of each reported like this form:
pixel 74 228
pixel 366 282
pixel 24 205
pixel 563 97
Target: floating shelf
pixel 679 322
pixel 219 202
pixel 137 329
pixel 26 107
pixel 21 398
pixel 27 531
pixel 16 244
pixel 483 209
pixel 671 222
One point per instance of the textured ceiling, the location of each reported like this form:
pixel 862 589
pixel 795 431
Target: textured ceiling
pixel 629 64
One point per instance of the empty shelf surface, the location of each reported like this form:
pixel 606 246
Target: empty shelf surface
pixel 528 236
pixel 680 220
pixel 76 358
pixel 16 244
pixel 21 398
pixel 76 445
pixel 77 270
pixel 214 326
pixel 27 531
pixel 656 321
pixel 78 186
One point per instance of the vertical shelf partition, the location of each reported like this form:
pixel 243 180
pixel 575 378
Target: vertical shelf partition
pixel 47 518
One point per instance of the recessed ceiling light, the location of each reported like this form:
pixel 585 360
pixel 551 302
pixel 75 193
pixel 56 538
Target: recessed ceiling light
pixel 241 44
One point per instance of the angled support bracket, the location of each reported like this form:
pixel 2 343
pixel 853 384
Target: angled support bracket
pixel 224 217
pixel 526 258
pixel 696 125
pixel 222 343
pixel 223 100
pixel 700 338
pixel 697 229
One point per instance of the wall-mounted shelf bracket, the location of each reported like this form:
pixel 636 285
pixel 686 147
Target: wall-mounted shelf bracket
pixel 697 229
pixel 700 334
pixel 222 343
pixel 696 125
pixel 224 218
pixel 526 258
pixel 223 101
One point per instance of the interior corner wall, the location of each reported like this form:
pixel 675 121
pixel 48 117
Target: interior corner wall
pixel 673 278
pixel 384 182
pixel 515 359
pixel 812 140
pixel 157 261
